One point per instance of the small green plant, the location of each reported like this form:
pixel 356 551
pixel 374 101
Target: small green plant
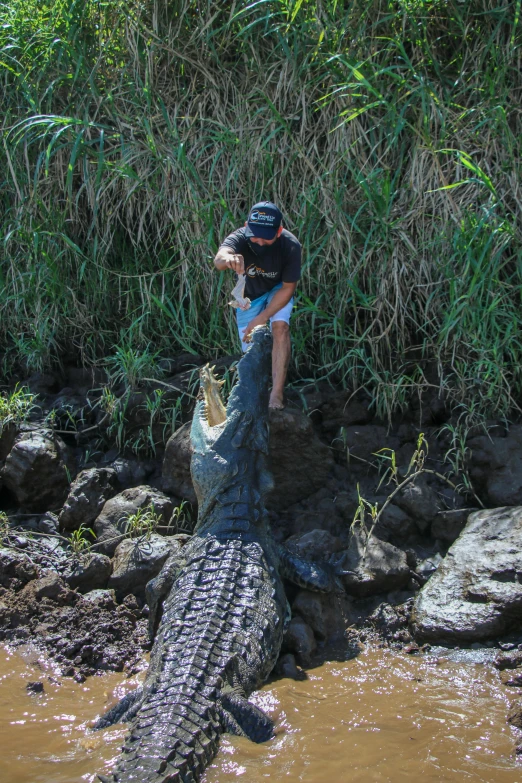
pixel 16 407
pixel 416 465
pixel 181 520
pixel 115 408
pixel 108 401
pixel 392 475
pixel 143 522
pixel 131 366
pixel 154 407
pixel 470 422
pixel 87 459
pixel 163 419
pixel 66 418
pixel 172 419
pixel 36 347
pixel 80 540
pixel 159 413
pixel 364 507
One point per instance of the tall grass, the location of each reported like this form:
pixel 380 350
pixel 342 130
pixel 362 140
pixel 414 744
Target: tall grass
pixel 136 135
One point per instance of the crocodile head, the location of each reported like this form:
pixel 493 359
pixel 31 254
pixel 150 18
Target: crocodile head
pixel 228 465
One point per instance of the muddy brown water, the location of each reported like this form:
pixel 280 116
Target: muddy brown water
pixel 382 716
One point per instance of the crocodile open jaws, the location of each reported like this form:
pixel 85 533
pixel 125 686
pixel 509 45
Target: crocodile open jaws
pixel 223 601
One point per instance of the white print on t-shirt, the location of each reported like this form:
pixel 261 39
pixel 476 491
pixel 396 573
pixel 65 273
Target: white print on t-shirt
pixel 255 271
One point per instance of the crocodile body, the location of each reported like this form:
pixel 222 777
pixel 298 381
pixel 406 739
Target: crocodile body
pixel 225 607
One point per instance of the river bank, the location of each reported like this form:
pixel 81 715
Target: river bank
pixel 96 494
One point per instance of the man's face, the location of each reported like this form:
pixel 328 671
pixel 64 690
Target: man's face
pixel 265 242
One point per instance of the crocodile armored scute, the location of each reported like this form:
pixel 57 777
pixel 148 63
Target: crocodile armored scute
pixel 221 601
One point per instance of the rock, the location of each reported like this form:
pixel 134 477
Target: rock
pixel 49 586
pixel 299 461
pixel 90 573
pixel 71 411
pixel 21 542
pixel 328 614
pixel 16 565
pixel 287 667
pixel 372 566
pixel 180 363
pixel 299 639
pixel 514 716
pixel 311 397
pixel 310 608
pixel 42 383
pixel 429 408
pixel 48 524
pixel 386 619
pixel 84 379
pixel 34 687
pixel 136 561
pixel 496 467
pixel 508 660
pixel 176 465
pixel 318 512
pixel 132 472
pixel 420 502
pixel 315 545
pixel 88 494
pixel 105 599
pixel 429 565
pixel 8 435
pixel 362 442
pixel 394 525
pixel 37 471
pixel 346 503
pixel 449 524
pixel 110 525
pixel 341 409
pixel 476 593
pixel 131 602
pixel 513 679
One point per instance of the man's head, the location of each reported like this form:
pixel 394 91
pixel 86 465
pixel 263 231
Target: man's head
pixel 264 224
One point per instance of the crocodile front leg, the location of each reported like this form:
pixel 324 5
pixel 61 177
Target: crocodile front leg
pixel 307 574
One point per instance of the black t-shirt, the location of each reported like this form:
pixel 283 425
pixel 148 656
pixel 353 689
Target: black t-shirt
pixel 267 266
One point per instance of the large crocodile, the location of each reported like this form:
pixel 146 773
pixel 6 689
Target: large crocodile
pixel 225 607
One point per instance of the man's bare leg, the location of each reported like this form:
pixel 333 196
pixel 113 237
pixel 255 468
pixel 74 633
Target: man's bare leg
pixel 280 362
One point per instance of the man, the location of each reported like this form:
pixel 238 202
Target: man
pixel 270 258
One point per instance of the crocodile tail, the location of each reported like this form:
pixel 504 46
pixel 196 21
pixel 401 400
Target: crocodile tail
pixel 173 740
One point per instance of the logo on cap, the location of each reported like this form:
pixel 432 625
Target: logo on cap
pixel 264 220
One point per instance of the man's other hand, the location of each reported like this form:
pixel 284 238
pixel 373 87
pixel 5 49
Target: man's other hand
pixel 259 320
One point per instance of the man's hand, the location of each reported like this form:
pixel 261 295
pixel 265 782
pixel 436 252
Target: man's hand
pixel 259 320
pixel 236 262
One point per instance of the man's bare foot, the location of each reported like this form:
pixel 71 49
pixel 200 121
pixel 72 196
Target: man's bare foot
pixel 276 402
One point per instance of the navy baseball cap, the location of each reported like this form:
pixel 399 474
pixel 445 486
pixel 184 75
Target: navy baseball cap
pixel 264 220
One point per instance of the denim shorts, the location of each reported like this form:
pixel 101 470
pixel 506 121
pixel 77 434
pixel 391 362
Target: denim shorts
pixel 258 305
